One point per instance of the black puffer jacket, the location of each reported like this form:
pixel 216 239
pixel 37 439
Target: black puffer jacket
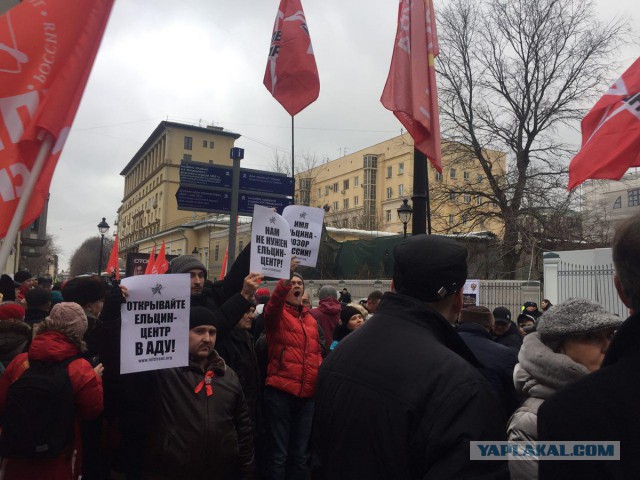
pixel 193 435
pixel 402 397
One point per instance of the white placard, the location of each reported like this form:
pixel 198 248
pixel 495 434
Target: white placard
pixel 471 293
pixel 155 323
pixel 270 244
pixel 305 226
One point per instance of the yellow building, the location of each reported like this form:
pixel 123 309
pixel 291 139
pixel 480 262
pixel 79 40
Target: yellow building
pixel 149 212
pixel 364 190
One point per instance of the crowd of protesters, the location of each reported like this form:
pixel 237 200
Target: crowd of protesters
pixel 394 387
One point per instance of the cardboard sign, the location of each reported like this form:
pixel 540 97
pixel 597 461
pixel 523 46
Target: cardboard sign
pixel 305 227
pixel 155 323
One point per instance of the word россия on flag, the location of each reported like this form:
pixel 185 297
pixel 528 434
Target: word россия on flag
pixel 611 132
pixel 291 75
pixel 410 92
pixel 47 50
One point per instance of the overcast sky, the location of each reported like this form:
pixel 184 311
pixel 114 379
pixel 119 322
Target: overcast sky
pixel 203 61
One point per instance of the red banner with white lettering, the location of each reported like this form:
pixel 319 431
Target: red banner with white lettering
pixel 47 49
pixel 611 132
pixel 113 266
pixel 410 92
pixel 291 75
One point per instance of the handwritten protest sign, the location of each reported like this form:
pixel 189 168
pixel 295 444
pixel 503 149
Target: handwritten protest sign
pixel 155 323
pixel 305 227
pixel 270 244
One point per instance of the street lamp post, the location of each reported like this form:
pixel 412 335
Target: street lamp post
pixel 103 227
pixel 195 251
pixel 404 214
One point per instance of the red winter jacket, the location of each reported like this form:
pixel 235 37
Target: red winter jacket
pixel 87 390
pixel 293 345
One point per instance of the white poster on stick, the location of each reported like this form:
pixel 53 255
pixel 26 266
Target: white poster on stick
pixel 155 323
pixel 305 227
pixel 270 244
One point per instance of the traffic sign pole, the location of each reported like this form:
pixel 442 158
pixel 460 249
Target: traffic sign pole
pixel 236 154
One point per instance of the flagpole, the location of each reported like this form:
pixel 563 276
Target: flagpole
pixel 293 161
pixel 420 193
pixel 14 226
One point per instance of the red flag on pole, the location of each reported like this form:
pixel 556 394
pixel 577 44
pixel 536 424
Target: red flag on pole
pixel 223 269
pixel 410 92
pixel 611 132
pixel 47 50
pixel 113 267
pixel 291 75
pixel 151 261
pixel 161 265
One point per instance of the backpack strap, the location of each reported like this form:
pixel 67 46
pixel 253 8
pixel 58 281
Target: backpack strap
pixel 64 362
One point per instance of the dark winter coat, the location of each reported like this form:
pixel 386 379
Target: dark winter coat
pixel 599 407
pixel 401 397
pixel 497 362
pixel 238 351
pixel 294 345
pixel 54 346
pixel 327 314
pixel 193 435
pixel 511 339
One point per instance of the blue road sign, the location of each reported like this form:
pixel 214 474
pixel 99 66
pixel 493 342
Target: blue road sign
pixel 265 182
pixel 202 200
pixel 195 173
pixel 246 201
pixel 236 153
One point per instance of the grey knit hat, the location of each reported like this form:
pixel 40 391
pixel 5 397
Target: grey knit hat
pixel 327 291
pixel 575 316
pixel 186 263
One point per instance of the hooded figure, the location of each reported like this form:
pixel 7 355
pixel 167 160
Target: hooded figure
pixel 58 338
pixel 14 333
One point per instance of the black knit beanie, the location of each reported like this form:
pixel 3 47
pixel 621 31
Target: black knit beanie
pixel 199 316
pixel 348 312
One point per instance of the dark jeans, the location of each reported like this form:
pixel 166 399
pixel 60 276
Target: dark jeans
pixel 289 419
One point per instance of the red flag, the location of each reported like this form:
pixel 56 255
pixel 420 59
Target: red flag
pixel 292 75
pixel 611 132
pixel 223 269
pixel 161 265
pixel 113 267
pixel 150 262
pixel 410 92
pixel 47 50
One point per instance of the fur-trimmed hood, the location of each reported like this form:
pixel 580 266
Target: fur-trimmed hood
pixel 14 336
pixel 65 329
pixel 542 371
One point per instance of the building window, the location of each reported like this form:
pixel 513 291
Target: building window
pixel 618 202
pixel 389 192
pixel 216 252
pixel 335 187
pixel 467 198
pixel 400 190
pixel 335 206
pixel 370 161
pixel 451 219
pixel 205 143
pixel 479 177
pixel 319 192
pixel 401 168
pixel 345 203
pixel 452 196
pixel 345 184
pixel 356 201
pixel 186 156
pixel 389 172
pixel 478 200
pixel 388 215
pixel 466 176
pixel 438 177
pixel 188 143
pixel 211 144
pixel 356 181
pixel 464 218
pixel 326 190
pixel 452 173
pixel 634 197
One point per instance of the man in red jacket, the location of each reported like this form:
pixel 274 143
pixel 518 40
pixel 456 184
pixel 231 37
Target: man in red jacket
pixel 294 357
